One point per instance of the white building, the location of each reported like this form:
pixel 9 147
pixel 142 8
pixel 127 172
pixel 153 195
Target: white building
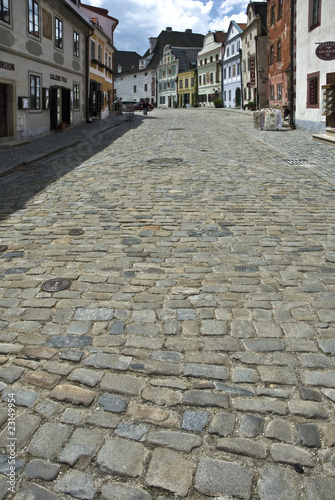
pixel 43 81
pixel 133 81
pixel 232 85
pixel 209 67
pixel 315 65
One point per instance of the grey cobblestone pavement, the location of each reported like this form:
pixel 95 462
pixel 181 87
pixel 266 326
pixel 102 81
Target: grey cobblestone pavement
pixel 192 353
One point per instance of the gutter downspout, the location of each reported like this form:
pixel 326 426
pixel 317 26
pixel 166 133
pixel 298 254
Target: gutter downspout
pixel 292 103
pixel 88 76
pixel 241 70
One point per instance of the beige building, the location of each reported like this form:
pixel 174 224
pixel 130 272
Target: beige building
pixel 43 83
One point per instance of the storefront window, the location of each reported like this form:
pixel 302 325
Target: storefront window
pixel 5 11
pixel 35 92
pixel 76 101
pixel 34 18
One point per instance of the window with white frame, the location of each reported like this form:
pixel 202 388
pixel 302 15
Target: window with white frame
pixel 33 18
pixel 5 11
pixel 58 33
pixel 35 92
pixel 76 96
pixel 279 91
pixel 76 44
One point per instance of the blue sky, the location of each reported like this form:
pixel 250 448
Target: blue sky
pixel 141 19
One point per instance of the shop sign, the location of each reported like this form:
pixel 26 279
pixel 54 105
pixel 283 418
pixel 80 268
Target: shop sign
pixel 325 51
pixel 58 78
pixel 7 65
pixel 252 71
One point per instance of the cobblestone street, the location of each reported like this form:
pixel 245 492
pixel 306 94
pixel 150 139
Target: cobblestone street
pixel 192 353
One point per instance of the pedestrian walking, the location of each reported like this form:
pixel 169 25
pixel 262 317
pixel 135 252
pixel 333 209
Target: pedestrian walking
pixel 145 106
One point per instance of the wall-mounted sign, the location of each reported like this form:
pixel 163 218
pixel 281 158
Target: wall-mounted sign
pixel 7 65
pixel 252 71
pixel 325 51
pixel 58 78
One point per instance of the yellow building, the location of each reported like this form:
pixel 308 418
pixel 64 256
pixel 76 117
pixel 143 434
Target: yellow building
pixel 101 89
pixel 187 90
pixel 100 50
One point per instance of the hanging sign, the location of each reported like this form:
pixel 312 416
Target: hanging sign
pixel 325 51
pixel 252 71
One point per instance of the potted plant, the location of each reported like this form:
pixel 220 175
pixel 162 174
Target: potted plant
pixel 251 105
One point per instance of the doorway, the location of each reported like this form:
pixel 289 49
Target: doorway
pixel 3 110
pixel 238 98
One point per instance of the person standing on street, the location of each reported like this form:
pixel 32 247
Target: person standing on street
pixel 145 106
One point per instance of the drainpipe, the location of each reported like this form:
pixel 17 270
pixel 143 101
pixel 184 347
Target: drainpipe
pixel 256 72
pixel 88 75
pixel 241 71
pixel 292 124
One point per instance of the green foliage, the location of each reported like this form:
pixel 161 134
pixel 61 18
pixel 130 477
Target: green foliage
pixel 218 103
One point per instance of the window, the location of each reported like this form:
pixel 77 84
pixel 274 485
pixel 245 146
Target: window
pixel 229 72
pixel 279 50
pixel 5 11
pixel 234 70
pixel 192 82
pixel 180 84
pixel 34 18
pixel 186 83
pixel 224 73
pixel 76 102
pixel 211 77
pixel 314 13
pixel 313 90
pixel 199 79
pixel 110 62
pixel 248 63
pixel 273 14
pixel 100 53
pixel 238 46
pixel 280 8
pixel 227 52
pixel 145 87
pixel 35 92
pixel 106 59
pixel 225 95
pixel 233 49
pixel 92 49
pixel 272 92
pixel 279 91
pixel 134 89
pixel 271 54
pixel 58 33
pixel 238 69
pixel 229 93
pixel 76 44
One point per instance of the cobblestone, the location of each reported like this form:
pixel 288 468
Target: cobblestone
pixel 192 354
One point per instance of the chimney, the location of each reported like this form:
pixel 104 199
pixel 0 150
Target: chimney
pixel 188 30
pixel 152 44
pixel 168 29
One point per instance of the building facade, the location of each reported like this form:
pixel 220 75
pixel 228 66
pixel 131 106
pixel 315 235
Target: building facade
pixel 132 83
pixel 232 83
pixel 101 54
pixel 187 88
pixel 43 82
pixel 209 67
pixel 254 55
pixel 279 53
pixel 315 65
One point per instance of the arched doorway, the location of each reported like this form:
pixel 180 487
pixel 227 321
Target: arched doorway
pixel 238 98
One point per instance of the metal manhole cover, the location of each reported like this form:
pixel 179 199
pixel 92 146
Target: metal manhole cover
pixel 3 248
pixel 298 162
pixel 165 161
pixel 76 232
pixel 56 285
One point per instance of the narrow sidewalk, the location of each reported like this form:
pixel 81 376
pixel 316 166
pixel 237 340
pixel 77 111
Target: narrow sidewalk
pixel 16 153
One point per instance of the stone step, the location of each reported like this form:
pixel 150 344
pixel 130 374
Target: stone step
pixel 330 132
pixel 327 138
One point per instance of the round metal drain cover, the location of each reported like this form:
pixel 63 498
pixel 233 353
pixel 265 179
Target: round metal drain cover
pixel 56 285
pixel 76 232
pixel 165 161
pixel 3 248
